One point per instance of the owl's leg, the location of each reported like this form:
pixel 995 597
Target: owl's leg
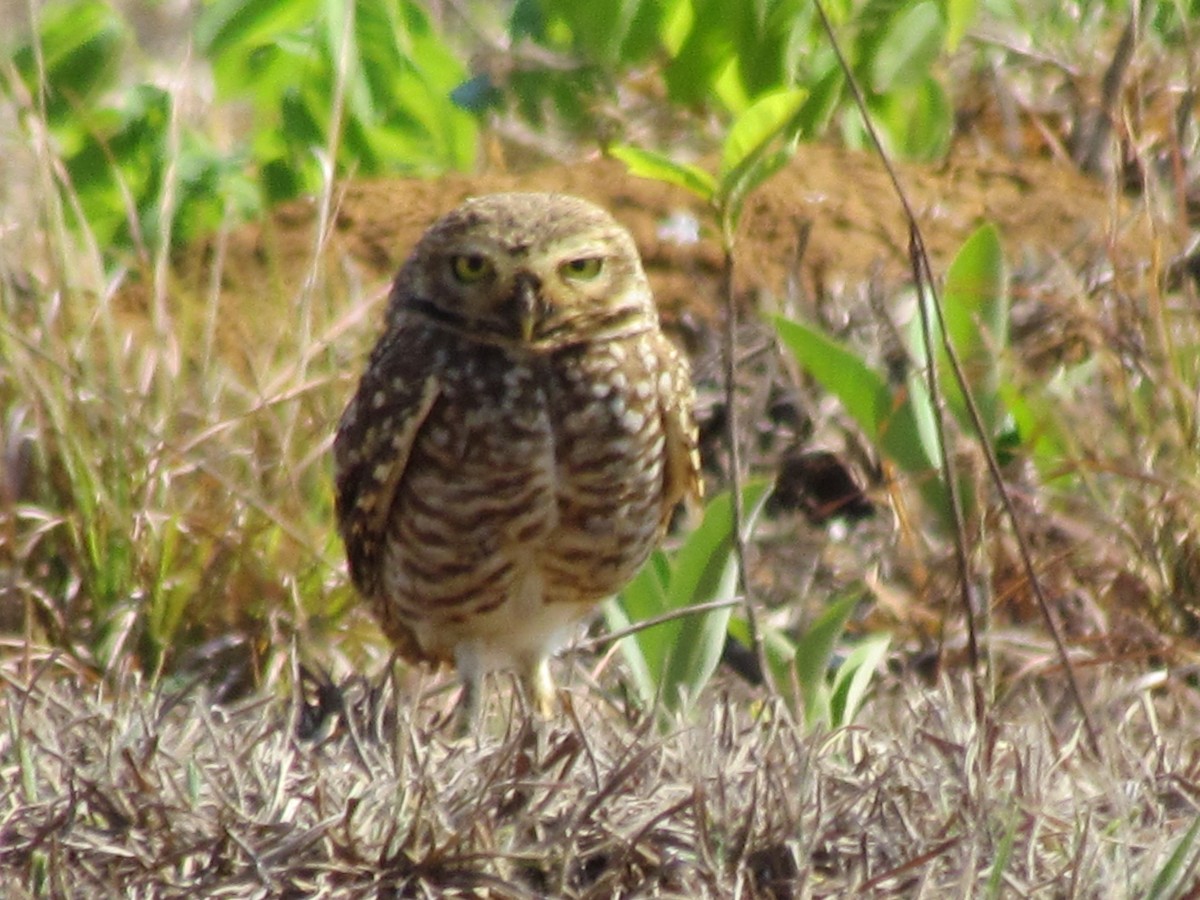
pixel 534 672
pixel 470 702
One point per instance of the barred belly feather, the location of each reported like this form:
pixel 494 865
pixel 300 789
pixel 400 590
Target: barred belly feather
pixel 500 496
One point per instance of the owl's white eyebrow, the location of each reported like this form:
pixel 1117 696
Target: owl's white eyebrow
pixel 585 249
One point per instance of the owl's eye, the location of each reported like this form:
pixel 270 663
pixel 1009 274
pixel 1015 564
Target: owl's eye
pixel 585 268
pixel 470 268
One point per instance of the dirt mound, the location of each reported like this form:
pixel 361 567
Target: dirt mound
pixel 828 220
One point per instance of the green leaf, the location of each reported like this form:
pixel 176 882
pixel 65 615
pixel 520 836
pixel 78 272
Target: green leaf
pixel 822 101
pixel 767 37
pixel 81 47
pixel 780 652
pixel 916 121
pixel 854 677
pixel 768 118
pixel 672 661
pixel 634 651
pixel 648 164
pixel 527 20
pixel 959 15
pixel 975 311
pixel 864 394
pixel 898 421
pixel 704 49
pixel 398 113
pixel 760 142
pixel 606 30
pixel 705 569
pixel 241 25
pixel 700 642
pixel 908 47
pixel 644 598
pixel 1037 417
pixel 815 650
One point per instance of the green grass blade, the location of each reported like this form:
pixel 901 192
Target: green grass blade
pixel 1170 876
pixel 995 882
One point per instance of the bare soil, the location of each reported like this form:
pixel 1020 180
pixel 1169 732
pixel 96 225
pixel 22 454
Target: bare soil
pixel 829 220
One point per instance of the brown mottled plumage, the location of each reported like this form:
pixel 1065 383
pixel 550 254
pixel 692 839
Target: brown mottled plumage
pixel 519 440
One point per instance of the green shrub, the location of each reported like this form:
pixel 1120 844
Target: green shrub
pixel 361 88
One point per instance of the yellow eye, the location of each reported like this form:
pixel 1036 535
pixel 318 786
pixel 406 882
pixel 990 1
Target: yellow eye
pixel 469 268
pixel 585 268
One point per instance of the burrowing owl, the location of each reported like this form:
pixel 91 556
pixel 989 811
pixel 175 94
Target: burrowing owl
pixel 519 439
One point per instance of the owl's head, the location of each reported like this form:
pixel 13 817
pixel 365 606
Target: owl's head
pixel 538 271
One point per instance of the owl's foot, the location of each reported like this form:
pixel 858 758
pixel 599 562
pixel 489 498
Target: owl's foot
pixel 466 711
pixel 538 686
pixel 533 673
pixel 470 701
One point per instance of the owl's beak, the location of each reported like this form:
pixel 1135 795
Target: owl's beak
pixel 529 306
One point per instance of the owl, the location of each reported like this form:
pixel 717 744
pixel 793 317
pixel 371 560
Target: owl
pixel 518 441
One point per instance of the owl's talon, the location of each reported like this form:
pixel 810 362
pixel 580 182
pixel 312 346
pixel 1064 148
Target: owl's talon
pixel 538 687
pixel 466 710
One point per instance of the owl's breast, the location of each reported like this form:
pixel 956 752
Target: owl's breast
pixel 609 452
pixel 550 467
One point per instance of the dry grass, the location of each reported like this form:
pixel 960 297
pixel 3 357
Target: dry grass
pixel 118 790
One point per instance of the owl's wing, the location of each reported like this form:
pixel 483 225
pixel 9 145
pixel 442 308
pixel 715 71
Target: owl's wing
pixel 677 402
pixel 371 450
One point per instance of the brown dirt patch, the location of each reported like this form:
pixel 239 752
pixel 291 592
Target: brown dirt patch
pixel 828 220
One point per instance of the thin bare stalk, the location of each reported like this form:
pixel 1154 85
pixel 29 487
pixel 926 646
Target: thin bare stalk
pixel 922 265
pixel 640 625
pixel 923 278
pixel 729 362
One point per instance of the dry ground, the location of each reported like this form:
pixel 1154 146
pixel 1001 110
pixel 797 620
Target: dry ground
pixel 120 792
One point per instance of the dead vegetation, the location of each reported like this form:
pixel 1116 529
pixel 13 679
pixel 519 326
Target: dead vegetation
pixel 117 790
